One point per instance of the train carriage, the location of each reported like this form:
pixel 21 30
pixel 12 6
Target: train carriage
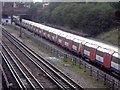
pixel 26 24
pixel 76 45
pixel 39 29
pixel 44 32
pixel 107 57
pixel 93 51
pixel 87 50
pixel 68 41
pixel 99 55
pixel 104 57
pixel 61 38
pixel 55 35
pixel 49 33
pixel 30 27
pixel 35 29
pixel 115 62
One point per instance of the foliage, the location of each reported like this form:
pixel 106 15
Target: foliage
pixel 90 18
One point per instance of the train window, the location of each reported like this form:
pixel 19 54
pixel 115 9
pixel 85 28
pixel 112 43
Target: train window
pixel 92 49
pixel 115 59
pixel 100 53
pixel 87 48
pixel 107 56
pixel 74 43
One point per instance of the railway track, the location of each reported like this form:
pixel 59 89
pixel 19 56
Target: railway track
pixel 10 75
pixel 43 78
pixel 25 78
pixel 56 77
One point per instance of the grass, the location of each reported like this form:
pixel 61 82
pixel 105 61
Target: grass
pixel 85 75
pixel 111 37
pixel 65 62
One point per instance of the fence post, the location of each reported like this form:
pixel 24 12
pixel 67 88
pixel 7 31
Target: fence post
pixel 75 60
pixel 113 84
pixel 54 50
pixel 91 71
pixel 85 67
pixel 97 75
pixel 65 57
pixel 105 79
pixel 80 62
pixel 51 49
pixel 72 60
pixel 58 53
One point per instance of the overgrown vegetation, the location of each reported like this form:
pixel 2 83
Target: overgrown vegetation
pixel 90 18
pixel 112 36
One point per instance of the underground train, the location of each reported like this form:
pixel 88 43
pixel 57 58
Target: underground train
pixel 97 52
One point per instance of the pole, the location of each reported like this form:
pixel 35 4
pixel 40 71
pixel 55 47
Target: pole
pixel 20 27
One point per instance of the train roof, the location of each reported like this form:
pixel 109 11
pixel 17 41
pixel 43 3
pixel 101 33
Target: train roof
pixel 105 50
pixel 117 55
pixel 92 45
pixel 64 34
pixel 77 40
pixel 57 31
pixel 71 37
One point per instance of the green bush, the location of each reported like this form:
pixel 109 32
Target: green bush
pixel 90 18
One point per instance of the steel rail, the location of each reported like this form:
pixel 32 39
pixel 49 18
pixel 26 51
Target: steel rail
pixel 50 76
pixel 41 87
pixel 17 78
pixel 14 71
pixel 23 74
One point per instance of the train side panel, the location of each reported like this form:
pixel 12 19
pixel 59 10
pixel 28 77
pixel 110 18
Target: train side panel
pixel 115 63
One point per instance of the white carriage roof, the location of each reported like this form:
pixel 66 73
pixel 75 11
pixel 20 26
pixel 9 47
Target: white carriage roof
pixel 57 31
pixel 64 34
pixel 105 50
pixel 70 36
pixel 116 55
pixel 92 45
pixel 77 40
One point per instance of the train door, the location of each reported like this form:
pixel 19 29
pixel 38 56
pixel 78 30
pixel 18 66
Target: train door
pixel 82 48
pixel 51 36
pixel 74 46
pixel 46 34
pixel 107 60
pixel 78 45
pixel 92 54
pixel 55 38
pixel 70 45
pixel 66 44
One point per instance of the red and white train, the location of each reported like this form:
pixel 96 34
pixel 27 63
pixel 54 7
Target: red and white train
pixel 98 52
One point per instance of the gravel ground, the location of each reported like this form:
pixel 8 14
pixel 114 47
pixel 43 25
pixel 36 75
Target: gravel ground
pixel 79 76
pixel 39 74
pixel 0 77
pixel 0 60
